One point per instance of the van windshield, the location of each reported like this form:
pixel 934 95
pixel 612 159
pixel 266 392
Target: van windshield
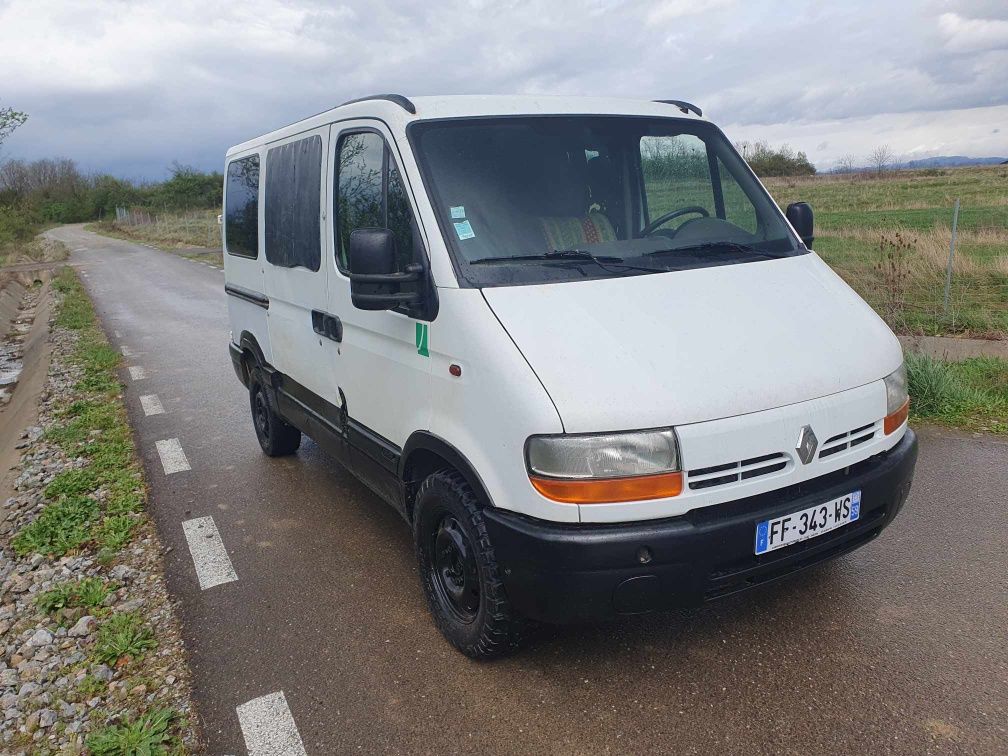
pixel 539 199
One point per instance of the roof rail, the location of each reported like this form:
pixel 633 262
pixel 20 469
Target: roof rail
pixel 684 106
pixel 402 102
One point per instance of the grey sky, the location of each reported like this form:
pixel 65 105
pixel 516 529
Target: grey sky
pixel 128 87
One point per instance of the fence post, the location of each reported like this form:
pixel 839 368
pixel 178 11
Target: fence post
pixel 948 270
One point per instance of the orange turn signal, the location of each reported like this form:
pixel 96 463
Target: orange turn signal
pixel 897 418
pixel 609 490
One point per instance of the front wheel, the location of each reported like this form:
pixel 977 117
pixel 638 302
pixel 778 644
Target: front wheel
pixel 276 437
pixel 458 570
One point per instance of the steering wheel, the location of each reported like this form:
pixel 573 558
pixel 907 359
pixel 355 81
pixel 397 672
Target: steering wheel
pixel 663 219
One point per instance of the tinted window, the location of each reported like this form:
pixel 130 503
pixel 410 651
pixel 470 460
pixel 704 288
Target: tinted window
pixel 241 209
pixel 293 182
pixel 372 195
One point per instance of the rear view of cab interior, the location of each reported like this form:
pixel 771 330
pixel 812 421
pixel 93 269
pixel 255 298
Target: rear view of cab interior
pixel 573 341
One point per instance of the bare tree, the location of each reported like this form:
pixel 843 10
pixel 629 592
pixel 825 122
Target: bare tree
pixel 845 163
pixel 881 157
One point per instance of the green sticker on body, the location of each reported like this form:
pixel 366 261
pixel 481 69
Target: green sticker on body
pixel 421 340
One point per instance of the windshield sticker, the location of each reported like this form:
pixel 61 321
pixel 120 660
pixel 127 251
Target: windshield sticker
pixel 464 230
pixel 458 211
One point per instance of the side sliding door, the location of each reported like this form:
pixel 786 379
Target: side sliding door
pixel 294 273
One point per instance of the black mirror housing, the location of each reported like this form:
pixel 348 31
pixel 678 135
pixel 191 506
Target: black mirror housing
pixel 799 214
pixel 374 282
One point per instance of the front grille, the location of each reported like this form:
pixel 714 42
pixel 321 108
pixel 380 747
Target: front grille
pixel 733 472
pixel 850 439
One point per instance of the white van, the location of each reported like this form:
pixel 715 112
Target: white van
pixel 572 340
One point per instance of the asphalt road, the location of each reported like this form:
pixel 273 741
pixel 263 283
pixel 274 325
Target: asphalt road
pixel 899 647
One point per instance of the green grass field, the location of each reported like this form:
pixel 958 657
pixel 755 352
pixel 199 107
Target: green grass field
pixel 888 236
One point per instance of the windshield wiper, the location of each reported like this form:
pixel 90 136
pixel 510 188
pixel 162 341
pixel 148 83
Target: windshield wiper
pixel 570 255
pixel 722 246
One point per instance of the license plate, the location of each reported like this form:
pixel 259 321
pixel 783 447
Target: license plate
pixel 808 523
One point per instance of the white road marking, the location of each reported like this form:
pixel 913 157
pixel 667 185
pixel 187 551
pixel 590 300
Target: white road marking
pixel 137 373
pixel 173 459
pixel 213 565
pixel 117 334
pixel 151 405
pixel 269 728
pixel 126 351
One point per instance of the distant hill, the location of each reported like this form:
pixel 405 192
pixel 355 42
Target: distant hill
pixel 951 161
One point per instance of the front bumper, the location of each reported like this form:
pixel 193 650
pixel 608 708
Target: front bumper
pixel 570 573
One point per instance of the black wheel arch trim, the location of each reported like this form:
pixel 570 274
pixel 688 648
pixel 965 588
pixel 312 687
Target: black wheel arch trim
pixel 427 441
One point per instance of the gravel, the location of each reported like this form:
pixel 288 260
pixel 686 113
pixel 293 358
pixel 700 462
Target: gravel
pixel 52 691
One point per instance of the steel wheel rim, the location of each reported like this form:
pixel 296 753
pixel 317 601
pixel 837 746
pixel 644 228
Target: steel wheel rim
pixel 262 420
pixel 454 568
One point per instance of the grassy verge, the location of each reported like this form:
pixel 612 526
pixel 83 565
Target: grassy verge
pixel 971 394
pixel 98 504
pixel 96 508
pixel 39 249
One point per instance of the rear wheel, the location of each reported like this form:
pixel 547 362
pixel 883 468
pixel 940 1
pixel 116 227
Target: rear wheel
pixel 276 436
pixel 458 570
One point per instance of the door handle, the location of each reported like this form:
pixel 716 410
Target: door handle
pixel 329 326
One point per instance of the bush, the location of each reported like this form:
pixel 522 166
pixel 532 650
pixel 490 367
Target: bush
pixel 781 161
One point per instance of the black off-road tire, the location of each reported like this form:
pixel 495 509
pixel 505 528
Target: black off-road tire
pixel 481 626
pixel 276 436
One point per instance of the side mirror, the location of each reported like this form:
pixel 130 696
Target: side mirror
pixel 374 282
pixel 800 216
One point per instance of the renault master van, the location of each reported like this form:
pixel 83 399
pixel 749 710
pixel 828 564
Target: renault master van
pixel 573 341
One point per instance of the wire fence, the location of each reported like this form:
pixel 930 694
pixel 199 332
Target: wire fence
pixel 195 228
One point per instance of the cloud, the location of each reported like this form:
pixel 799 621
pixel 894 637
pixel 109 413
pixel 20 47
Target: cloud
pixel 973 34
pixel 129 87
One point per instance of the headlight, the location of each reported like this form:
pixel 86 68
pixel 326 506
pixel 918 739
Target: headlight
pixel 897 399
pixel 605 467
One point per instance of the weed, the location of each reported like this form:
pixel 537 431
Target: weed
pixel 62 526
pixel 892 269
pixel 73 482
pixel 89 592
pixel 114 531
pixel 972 393
pixel 148 734
pixel 91 686
pixel 123 635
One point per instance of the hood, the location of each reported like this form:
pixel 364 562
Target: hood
pixel 695 345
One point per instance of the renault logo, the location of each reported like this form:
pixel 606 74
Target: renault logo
pixel 807 444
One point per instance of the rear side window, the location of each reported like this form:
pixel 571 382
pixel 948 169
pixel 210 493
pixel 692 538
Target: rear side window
pixel 293 183
pixel 371 194
pixel 241 209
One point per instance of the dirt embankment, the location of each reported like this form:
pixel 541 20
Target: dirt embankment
pixel 25 311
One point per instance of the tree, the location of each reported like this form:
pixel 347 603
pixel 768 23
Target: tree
pixel 844 163
pixel 10 119
pixel 881 157
pixel 775 161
